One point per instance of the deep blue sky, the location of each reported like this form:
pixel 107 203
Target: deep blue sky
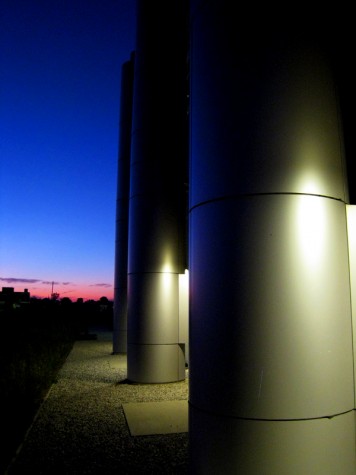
pixel 60 75
pixel 59 114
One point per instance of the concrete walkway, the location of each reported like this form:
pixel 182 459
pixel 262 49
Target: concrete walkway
pixel 81 428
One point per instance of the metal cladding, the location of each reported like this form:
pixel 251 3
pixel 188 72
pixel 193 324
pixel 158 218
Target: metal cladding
pixel 122 210
pixel 351 231
pixel 157 208
pixel 271 359
pixel 271 274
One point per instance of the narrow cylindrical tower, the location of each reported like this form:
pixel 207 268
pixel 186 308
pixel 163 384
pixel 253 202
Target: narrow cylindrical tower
pixel 122 209
pixel 157 195
pixel 271 362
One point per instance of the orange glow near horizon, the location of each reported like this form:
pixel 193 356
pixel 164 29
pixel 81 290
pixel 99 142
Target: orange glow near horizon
pixel 86 292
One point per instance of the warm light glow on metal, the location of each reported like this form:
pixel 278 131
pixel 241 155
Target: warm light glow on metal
pixel 311 222
pixel 167 274
pixel 167 260
pixel 167 268
pixel 309 184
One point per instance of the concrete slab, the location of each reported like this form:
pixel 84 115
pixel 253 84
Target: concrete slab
pixel 150 418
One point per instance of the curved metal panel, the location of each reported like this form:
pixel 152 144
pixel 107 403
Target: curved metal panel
pixel 270 308
pixel 231 446
pixel 155 363
pixel 263 106
pixel 153 310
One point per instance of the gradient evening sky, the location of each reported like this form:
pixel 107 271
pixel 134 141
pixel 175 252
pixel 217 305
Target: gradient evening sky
pixel 59 114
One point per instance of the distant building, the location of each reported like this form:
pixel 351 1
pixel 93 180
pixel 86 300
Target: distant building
pixel 9 299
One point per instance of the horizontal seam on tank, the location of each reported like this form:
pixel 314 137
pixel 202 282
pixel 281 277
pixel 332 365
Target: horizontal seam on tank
pixel 249 195
pixel 226 416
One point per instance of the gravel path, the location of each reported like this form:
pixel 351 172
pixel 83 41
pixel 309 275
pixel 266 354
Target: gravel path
pixel 81 429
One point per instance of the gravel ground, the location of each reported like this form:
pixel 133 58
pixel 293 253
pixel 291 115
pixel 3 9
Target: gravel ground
pixel 81 429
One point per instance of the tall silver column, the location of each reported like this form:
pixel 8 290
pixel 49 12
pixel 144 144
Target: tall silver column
pixel 122 209
pixel 157 196
pixel 271 361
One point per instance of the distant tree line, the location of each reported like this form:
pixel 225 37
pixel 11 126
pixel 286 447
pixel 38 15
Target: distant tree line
pixel 80 315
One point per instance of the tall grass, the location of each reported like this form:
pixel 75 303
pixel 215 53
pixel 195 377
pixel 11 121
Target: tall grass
pixel 34 345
